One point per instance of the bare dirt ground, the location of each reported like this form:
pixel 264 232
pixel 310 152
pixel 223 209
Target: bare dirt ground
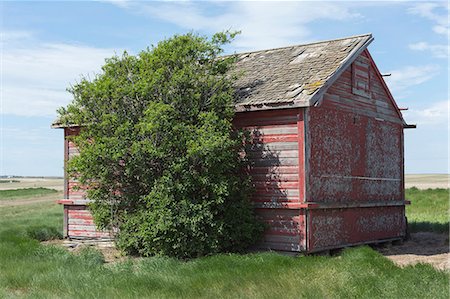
pixel 425 181
pixel 50 183
pixel 423 247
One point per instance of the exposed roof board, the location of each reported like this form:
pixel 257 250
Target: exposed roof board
pixel 293 76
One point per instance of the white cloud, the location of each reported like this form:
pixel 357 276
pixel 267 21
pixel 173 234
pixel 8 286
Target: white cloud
pixel 263 24
pixel 438 51
pixel 35 76
pixel 409 76
pixel 437 12
pixel 119 3
pixel 436 114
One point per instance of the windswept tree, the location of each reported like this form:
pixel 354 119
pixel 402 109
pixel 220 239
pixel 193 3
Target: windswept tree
pixel 158 153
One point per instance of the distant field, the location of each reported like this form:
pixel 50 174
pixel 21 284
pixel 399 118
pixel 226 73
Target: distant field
pixel 25 193
pixel 425 181
pixel 21 183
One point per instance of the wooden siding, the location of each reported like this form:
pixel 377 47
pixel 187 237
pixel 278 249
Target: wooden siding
pixel 278 174
pixel 334 228
pixel 376 103
pixel 73 190
pixel 354 159
pixel 355 148
pixel 78 221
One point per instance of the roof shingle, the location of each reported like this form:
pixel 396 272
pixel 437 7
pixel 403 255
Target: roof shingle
pixel 292 75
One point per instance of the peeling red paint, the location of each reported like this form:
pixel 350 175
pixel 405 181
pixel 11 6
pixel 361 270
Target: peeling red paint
pixel 325 177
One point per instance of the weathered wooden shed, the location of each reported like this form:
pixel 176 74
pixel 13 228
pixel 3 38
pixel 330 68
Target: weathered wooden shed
pixel 327 151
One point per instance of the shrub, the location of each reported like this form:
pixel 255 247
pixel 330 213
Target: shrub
pixel 158 151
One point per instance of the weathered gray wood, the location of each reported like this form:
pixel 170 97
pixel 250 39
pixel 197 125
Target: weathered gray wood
pixel 88 228
pixel 278 130
pixel 274 161
pixel 273 154
pixel 274 146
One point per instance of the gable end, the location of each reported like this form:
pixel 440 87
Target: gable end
pixel 360 89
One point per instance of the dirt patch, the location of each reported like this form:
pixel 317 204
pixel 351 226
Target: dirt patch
pixel 423 247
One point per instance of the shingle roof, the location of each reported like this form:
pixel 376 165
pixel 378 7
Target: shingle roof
pixel 293 76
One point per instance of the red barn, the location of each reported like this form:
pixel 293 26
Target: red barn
pixel 327 153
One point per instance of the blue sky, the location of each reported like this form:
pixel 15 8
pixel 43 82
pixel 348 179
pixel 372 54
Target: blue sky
pixel 46 46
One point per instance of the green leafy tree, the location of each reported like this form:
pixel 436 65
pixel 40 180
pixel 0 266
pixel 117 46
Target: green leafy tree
pixel 158 152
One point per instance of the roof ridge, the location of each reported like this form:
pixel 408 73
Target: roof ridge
pixel 369 35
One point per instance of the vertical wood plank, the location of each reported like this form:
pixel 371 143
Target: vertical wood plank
pixel 301 154
pixel 66 158
pixel 66 222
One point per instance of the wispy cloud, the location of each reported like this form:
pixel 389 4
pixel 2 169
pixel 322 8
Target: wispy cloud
pixel 263 24
pixel 436 114
pixel 404 78
pixel 119 3
pixel 36 75
pixel 437 12
pixel 438 51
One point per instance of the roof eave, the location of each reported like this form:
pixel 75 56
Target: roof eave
pixel 58 126
pixel 409 126
pixel 62 126
pixel 270 106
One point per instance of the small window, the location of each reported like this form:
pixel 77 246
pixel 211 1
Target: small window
pixel 361 77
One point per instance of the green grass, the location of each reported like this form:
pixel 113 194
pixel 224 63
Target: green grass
pixel 8 181
pixel 31 270
pixel 26 193
pixel 429 209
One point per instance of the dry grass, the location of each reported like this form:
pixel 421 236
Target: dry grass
pixel 426 181
pixel 22 183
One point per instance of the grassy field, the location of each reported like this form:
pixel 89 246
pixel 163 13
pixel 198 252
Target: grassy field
pixel 429 209
pixel 29 269
pixel 9 181
pixel 26 193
